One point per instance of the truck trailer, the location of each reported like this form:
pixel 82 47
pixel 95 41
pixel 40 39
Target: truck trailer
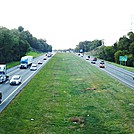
pixel 26 61
pixel 3 73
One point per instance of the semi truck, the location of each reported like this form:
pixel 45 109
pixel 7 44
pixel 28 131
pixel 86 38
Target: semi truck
pixel 3 74
pixel 26 61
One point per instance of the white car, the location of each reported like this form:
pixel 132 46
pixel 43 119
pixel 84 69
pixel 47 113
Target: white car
pixel 33 67
pixel 39 62
pixel 15 80
pixel 87 58
pixel 45 58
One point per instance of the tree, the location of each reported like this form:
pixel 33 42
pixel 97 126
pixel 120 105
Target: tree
pixel 131 36
pixel 109 53
pixel 131 48
pixel 20 29
pixel 117 55
pixel 123 43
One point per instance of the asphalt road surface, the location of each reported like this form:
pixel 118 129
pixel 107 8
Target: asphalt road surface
pixel 122 75
pixel 9 91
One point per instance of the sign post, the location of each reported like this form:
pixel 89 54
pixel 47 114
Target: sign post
pixel 123 58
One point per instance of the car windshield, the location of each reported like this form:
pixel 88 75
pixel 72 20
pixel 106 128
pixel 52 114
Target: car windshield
pixel 33 65
pixel 16 78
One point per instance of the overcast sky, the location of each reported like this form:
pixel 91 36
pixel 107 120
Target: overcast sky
pixel 64 23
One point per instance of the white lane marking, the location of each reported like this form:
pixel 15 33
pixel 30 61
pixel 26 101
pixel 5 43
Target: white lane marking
pixel 119 78
pixel 19 86
pixel 16 89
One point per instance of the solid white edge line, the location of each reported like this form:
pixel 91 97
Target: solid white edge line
pixel 18 87
pixel 119 78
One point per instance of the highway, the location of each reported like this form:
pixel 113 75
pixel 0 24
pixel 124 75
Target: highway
pixel 10 91
pixel 122 75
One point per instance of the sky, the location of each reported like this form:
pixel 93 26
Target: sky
pixel 65 23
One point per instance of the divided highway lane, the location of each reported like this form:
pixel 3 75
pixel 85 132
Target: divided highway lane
pixel 122 75
pixel 8 91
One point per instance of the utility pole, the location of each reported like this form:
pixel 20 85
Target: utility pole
pixel 131 25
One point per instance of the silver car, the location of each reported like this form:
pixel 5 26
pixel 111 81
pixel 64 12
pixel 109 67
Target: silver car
pixel 33 67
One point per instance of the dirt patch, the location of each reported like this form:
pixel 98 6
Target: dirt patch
pixel 90 89
pixel 78 122
pixel 87 89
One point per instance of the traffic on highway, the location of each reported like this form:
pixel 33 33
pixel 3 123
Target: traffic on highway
pixel 124 76
pixel 20 75
pixel 18 78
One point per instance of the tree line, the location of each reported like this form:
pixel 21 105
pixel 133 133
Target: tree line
pixel 15 43
pixel 86 46
pixel 123 47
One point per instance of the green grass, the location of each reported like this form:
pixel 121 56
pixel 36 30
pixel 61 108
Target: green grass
pixel 34 54
pixel 12 64
pixel 124 67
pixel 15 63
pixel 59 101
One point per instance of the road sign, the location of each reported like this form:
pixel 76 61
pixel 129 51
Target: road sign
pixel 81 50
pixel 123 58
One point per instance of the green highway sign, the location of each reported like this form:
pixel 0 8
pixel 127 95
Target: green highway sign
pixel 123 58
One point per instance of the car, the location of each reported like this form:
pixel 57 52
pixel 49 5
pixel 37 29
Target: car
pixel 33 67
pixel 102 66
pixel 45 58
pixel 102 62
pixel 95 59
pixel 93 62
pixel 39 62
pixel 15 80
pixel 87 58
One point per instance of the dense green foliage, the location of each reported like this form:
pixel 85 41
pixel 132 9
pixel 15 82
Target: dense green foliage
pixel 88 45
pixel 16 43
pixel 124 47
pixel 60 100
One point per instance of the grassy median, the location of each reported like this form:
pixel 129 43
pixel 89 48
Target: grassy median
pixel 70 96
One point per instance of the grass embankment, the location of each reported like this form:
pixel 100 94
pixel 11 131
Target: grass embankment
pixel 70 96
pixel 122 66
pixel 15 63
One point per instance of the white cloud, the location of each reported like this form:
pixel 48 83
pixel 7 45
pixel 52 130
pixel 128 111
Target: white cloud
pixel 64 23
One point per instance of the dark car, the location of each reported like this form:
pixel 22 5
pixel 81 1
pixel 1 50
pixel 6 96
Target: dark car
pixel 95 59
pixel 102 62
pixel 93 62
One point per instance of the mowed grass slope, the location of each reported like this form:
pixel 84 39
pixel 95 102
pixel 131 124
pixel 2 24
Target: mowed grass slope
pixel 70 96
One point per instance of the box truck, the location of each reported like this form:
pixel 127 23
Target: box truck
pixel 26 61
pixel 3 73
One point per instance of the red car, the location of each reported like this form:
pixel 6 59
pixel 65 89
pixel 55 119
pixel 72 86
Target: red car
pixel 102 66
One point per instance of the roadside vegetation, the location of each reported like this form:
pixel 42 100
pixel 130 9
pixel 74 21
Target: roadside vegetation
pixel 70 96
pixel 123 47
pixel 31 53
pixel 119 65
pixel 122 66
pixel 15 43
